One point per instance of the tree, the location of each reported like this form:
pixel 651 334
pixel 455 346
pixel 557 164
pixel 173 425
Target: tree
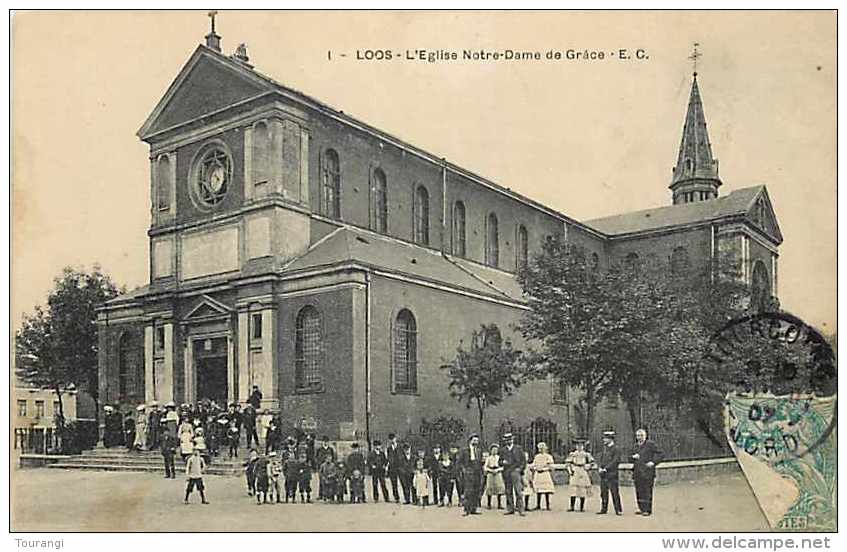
pixel 485 373
pixel 632 331
pixel 56 347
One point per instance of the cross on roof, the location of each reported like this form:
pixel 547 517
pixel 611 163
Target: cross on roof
pixel 212 15
pixel 695 55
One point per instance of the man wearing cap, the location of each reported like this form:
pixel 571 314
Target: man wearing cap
pixel 607 465
pixel 393 452
pixel 644 460
pixel 356 461
pixel 513 460
pixel 169 444
pixel 377 462
pixel 470 465
pixel 248 418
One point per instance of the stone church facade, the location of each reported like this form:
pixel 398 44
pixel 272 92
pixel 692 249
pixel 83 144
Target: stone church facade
pixel 338 267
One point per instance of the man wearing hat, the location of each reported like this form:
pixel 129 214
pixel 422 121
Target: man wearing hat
pixel 356 461
pixel 644 460
pixel 153 421
pixel 607 465
pixel 377 462
pixel 393 452
pixel 406 472
pixel 112 427
pixel 169 444
pixel 513 460
pixel 470 465
pixel 171 419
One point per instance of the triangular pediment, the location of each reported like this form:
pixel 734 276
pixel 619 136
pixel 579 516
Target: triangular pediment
pixel 761 215
pixel 206 307
pixel 206 84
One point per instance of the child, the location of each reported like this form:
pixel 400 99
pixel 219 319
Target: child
pixel 528 490
pixel 304 478
pixel 494 484
pixel 341 482
pixel 290 470
pixel 274 473
pixel 233 435
pixel 186 440
pixel 446 479
pixel 329 479
pixel 250 471
pixel 422 483
pixel 357 487
pixel 194 469
pixel 200 441
pixel 542 479
pixel 579 463
pixel 262 480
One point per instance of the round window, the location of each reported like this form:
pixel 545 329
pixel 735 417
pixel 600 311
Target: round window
pixel 212 176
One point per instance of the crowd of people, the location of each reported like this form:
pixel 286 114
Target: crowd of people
pixel 282 471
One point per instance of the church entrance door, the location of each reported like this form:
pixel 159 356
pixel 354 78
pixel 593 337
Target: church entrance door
pixel 210 361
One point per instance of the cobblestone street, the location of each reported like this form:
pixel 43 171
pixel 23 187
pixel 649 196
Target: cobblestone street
pixel 56 500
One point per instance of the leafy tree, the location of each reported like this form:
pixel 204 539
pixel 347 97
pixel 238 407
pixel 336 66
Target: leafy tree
pixel 56 347
pixel 484 374
pixel 633 331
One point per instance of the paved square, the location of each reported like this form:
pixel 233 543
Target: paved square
pixel 57 500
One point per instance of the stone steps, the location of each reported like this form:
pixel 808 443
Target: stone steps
pixel 121 459
pixel 82 465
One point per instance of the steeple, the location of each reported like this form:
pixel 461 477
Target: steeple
pixel 695 176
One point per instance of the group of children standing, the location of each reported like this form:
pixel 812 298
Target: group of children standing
pixel 271 474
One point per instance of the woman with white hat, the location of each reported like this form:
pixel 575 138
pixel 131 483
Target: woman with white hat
pixel 140 428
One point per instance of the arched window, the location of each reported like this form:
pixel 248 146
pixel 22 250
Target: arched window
pixel 522 248
pixel 405 353
pixel 421 216
pixel 679 261
pixel 130 378
pixel 379 202
pixel 760 287
pixel 308 349
pixel 491 337
pixel 331 185
pixel 459 232
pixel 163 183
pixel 261 160
pixel 492 241
pixel 631 262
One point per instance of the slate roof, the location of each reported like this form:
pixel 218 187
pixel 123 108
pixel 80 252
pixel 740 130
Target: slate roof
pixel 737 202
pixel 348 244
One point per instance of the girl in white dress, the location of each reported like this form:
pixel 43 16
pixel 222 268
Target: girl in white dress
pixel 422 483
pixel 579 463
pixel 494 484
pixel 186 439
pixel 542 479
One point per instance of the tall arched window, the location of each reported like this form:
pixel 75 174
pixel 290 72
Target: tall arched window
pixel 459 232
pixel 522 248
pixel 405 373
pixel 308 349
pixel 492 241
pixel 130 378
pixel 421 216
pixel 261 160
pixel 760 286
pixel 379 202
pixel 331 185
pixel 163 183
pixel 679 261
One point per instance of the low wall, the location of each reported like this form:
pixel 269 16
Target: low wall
pixel 666 472
pixel 33 460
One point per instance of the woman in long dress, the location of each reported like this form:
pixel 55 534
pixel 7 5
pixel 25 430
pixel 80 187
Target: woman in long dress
pixel 186 439
pixel 140 428
pixel 579 463
pixel 542 479
pixel 494 484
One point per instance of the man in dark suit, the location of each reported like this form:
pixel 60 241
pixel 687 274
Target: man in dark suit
pixel 432 463
pixel 377 463
pixel 513 460
pixel 356 462
pixel 470 466
pixel 644 460
pixel 607 465
pixel 393 452
pixel 405 464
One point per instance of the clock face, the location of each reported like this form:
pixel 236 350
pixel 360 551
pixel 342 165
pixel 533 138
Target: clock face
pixel 212 178
pixel 216 180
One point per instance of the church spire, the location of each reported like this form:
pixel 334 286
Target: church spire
pixel 695 176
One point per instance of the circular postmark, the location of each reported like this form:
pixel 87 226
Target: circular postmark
pixel 778 381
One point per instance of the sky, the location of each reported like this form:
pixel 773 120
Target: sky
pixel 587 138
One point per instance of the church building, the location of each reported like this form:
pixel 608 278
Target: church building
pixel 338 267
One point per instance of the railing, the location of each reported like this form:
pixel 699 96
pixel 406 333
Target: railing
pixel 676 445
pixel 76 436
